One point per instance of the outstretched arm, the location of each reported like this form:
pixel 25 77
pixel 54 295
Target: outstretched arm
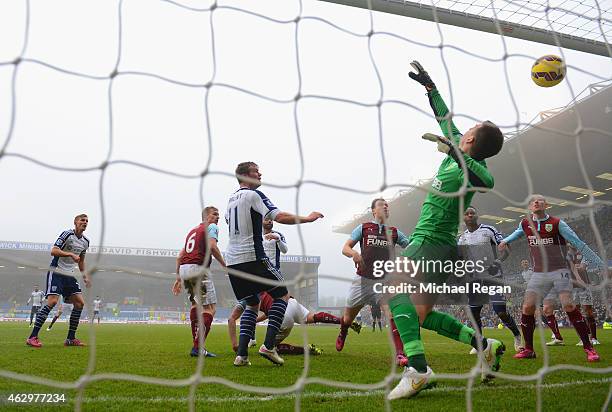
pixel 498 238
pixel 441 112
pixel 263 205
pixel 569 235
pixel 287 218
pixel 478 175
pixel 518 233
pixel 436 102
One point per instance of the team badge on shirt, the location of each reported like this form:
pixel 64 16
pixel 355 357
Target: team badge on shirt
pixel 548 227
pixel 436 184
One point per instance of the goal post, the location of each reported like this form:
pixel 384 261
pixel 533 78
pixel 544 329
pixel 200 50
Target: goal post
pixel 488 24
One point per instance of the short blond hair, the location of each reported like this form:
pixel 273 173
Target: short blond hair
pixel 77 217
pixel 534 196
pixel 243 170
pixel 207 211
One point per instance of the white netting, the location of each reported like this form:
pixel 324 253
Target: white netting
pixel 590 21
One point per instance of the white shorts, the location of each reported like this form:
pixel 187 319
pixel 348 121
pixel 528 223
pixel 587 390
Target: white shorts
pixel 362 292
pixel 189 273
pixel 295 313
pixel 584 296
pixel 552 296
pixel 550 284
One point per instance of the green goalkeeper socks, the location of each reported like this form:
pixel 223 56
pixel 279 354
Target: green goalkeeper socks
pixel 445 325
pixel 407 323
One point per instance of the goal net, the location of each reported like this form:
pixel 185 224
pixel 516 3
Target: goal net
pixel 576 25
pixel 138 112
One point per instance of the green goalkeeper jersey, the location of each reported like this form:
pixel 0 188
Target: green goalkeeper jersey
pixel 439 220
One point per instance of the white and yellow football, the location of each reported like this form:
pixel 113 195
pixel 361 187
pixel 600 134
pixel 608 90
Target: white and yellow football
pixel 548 71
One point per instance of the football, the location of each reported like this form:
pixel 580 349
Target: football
pixel 548 71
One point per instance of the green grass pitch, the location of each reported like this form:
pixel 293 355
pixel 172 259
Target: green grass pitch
pixel 162 351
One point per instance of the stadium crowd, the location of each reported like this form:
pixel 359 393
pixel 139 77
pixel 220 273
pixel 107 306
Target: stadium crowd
pixel 581 225
pixel 512 273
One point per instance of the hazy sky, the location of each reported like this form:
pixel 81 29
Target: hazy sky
pixel 63 120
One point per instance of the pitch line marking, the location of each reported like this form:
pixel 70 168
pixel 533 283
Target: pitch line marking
pixel 331 395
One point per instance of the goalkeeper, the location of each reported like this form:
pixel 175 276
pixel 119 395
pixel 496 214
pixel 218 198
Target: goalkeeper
pixel 434 239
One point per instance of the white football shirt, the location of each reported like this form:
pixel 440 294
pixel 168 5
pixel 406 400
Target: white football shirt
pixel 68 242
pixel 246 211
pixel 273 248
pixel 480 245
pixel 37 298
pixel 526 274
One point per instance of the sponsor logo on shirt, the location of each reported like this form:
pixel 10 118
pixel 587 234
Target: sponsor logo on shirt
pixel 373 241
pixel 534 241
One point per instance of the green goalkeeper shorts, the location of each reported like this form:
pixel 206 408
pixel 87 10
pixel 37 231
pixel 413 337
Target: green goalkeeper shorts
pixel 436 265
pixel 435 261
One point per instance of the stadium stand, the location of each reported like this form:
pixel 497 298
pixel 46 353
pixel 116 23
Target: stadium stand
pixel 134 283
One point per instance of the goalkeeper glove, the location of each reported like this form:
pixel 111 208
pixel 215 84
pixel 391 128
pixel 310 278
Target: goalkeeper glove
pixel 421 76
pixel 444 145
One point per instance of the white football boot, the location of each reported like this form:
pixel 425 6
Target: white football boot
pixel 412 382
pixel 271 355
pixel 242 361
pixel 518 344
pixel 557 342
